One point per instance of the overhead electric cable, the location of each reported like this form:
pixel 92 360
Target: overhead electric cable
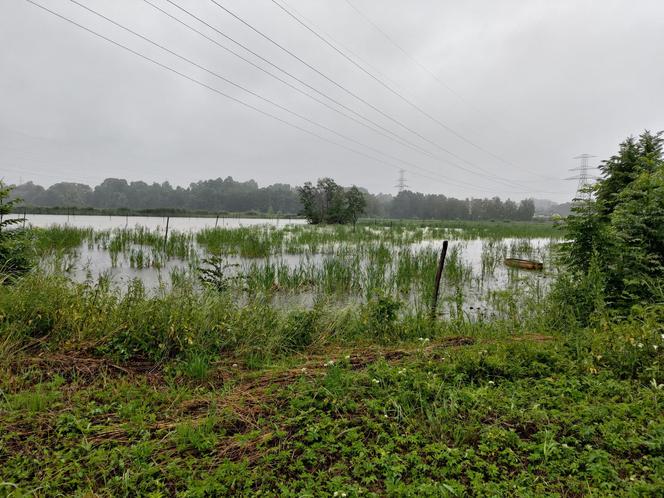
pixel 353 94
pixel 382 83
pixel 215 90
pixel 481 173
pixel 257 95
pixel 373 126
pixel 434 76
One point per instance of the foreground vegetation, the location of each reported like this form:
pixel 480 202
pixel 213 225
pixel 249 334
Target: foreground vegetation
pixel 160 398
pixel 186 390
pixel 207 386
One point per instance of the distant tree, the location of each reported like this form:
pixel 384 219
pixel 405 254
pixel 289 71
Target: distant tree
pixel 333 201
pixel 309 198
pixel 68 194
pixel 526 210
pixel 328 202
pixel 111 193
pixel 356 204
pixel 29 193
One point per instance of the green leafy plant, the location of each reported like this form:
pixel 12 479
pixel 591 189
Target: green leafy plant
pixel 14 259
pixel 216 273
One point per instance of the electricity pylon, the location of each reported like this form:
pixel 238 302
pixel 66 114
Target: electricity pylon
pixel 401 182
pixel 582 176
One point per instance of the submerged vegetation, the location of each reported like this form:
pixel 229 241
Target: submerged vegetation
pixel 304 361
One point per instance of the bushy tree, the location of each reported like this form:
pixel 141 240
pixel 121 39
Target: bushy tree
pixel 637 223
pixel 311 206
pixel 619 234
pixel 356 203
pixel 328 202
pixel 13 249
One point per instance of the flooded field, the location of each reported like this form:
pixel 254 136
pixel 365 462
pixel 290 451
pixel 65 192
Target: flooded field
pixel 295 265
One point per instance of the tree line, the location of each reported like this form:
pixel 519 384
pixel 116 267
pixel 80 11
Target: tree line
pixel 229 195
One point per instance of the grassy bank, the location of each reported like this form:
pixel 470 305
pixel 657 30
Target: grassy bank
pixel 481 414
pixel 189 393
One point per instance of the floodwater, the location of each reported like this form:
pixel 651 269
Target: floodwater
pixel 91 261
pixel 182 224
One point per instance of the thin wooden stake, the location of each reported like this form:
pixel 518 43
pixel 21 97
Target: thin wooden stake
pixel 439 274
pixel 168 219
pixel 216 221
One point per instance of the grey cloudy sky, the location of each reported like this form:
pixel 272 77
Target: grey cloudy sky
pixel 524 85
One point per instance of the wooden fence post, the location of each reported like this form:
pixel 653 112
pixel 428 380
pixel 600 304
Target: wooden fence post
pixel 439 274
pixel 168 219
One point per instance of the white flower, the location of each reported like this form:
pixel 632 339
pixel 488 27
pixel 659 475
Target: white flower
pixel 234 365
pixel 375 381
pixel 304 369
pixel 328 363
pixel 402 371
pixel 347 357
pixel 655 347
pixel 491 382
pixel 640 344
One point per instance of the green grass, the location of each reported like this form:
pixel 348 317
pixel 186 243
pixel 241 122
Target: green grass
pixel 185 390
pixel 519 416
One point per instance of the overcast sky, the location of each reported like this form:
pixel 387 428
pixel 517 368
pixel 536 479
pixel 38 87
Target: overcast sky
pixel 503 94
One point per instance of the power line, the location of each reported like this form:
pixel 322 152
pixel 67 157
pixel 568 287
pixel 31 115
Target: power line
pixel 164 66
pixel 389 88
pixel 375 127
pixel 402 141
pixel 342 45
pixel 364 101
pixel 230 82
pixel 409 56
pixel 434 76
pixel 213 89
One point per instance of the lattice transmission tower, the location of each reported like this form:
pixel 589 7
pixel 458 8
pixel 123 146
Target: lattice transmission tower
pixel 583 176
pixel 401 182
